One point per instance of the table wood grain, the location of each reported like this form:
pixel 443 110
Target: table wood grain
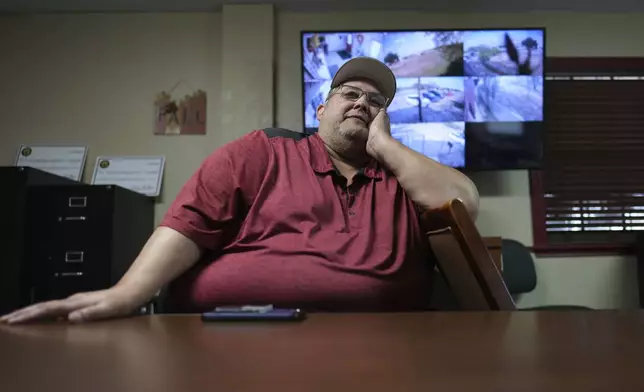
pixel 434 351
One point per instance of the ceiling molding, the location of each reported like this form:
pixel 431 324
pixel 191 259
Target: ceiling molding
pixel 53 6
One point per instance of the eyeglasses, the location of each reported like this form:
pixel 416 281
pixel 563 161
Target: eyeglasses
pixel 351 93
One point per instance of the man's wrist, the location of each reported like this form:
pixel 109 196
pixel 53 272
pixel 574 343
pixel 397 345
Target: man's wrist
pixel 382 145
pixel 132 293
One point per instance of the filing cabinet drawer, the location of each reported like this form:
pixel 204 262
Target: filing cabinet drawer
pixel 72 269
pixel 74 204
pixel 71 216
pixel 63 284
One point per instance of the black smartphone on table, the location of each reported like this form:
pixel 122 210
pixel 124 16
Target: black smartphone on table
pixel 253 313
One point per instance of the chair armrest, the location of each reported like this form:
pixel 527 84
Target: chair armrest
pixel 463 259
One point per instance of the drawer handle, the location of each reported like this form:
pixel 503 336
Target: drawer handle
pixel 78 202
pixel 68 274
pixel 74 256
pixel 75 218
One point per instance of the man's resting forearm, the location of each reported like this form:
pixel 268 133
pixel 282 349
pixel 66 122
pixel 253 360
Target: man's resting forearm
pixel 166 255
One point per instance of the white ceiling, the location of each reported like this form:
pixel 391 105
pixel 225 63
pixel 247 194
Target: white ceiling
pixel 324 5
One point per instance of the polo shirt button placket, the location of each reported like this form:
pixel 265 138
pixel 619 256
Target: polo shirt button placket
pixel 351 198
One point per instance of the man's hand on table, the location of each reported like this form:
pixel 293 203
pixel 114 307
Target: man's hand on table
pixel 77 308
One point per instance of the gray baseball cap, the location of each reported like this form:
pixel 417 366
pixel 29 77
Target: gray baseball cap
pixel 367 68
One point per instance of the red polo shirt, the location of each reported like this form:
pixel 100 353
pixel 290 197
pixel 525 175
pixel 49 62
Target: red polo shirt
pixel 281 227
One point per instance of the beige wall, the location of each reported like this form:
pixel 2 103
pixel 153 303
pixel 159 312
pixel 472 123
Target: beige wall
pixel 91 79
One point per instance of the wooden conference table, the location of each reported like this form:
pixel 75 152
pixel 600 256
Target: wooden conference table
pixel 458 351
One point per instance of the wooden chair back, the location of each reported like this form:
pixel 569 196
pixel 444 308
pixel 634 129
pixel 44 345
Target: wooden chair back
pixel 463 259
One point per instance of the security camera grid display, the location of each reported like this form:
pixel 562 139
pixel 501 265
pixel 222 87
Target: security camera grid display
pixel 468 99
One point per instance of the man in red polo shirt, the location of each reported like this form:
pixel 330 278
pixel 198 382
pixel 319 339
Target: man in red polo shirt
pixel 326 223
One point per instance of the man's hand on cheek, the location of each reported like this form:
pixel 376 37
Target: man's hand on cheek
pixel 379 134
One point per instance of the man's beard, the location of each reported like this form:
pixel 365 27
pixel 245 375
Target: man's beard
pixel 351 132
pixel 350 143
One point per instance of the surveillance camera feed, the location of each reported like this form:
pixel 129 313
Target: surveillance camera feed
pixel 465 98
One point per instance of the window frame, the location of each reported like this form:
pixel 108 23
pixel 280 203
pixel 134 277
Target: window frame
pixel 613 66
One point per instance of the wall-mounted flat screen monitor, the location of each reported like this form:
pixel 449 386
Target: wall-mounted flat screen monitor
pixel 470 99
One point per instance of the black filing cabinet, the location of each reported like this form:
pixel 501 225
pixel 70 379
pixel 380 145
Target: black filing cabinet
pixel 84 237
pixel 15 271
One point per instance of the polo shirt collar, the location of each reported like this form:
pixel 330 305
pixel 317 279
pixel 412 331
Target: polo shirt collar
pixel 321 162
